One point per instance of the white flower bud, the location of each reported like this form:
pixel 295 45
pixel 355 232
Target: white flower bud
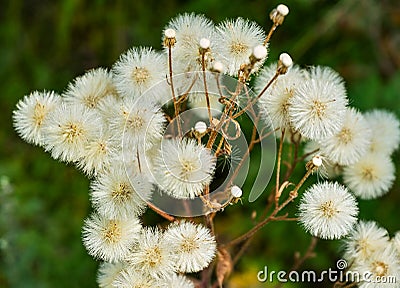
pixel 200 127
pixel 260 52
pixel 236 191
pixel 317 160
pixel 286 59
pixel 218 67
pixel 282 9
pixel 170 33
pixel 204 43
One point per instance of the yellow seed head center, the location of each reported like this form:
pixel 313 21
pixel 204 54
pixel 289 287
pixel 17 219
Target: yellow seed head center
pixel 345 136
pixel 140 75
pixel 153 256
pixel 368 174
pixel 122 192
pixel 319 108
pixel 188 245
pixel 135 122
pixel 380 268
pixel 238 48
pixel 72 131
pixel 328 209
pixel 39 111
pixel 112 233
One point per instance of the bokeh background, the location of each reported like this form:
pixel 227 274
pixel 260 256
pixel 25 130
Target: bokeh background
pixel 44 44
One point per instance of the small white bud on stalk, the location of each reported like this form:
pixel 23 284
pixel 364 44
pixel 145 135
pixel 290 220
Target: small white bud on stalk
pixel 200 127
pixel 282 9
pixel 260 52
pixel 204 43
pixel 218 67
pixel 286 60
pixel 317 160
pixel 170 33
pixel 236 191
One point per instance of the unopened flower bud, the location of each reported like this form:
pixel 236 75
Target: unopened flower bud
pixel 218 67
pixel 282 9
pixel 169 40
pixel 260 52
pixel 169 33
pixel 204 43
pixel 286 59
pixel 278 14
pixel 200 127
pixel 317 160
pixel 236 191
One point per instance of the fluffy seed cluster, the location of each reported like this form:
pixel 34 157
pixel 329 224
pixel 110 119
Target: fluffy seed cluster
pixel 123 128
pixel 328 210
pixel 370 250
pixel 184 168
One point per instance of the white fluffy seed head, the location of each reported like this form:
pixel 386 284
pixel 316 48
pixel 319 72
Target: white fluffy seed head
pixel 170 33
pixel 235 41
pixel 286 59
pixel 153 255
pixel 260 52
pixel 192 244
pixel 200 127
pixel 32 113
pixel 365 239
pixel 328 210
pixel 109 239
pixel 371 177
pixel 236 191
pixel 183 168
pixel 351 143
pixel 204 43
pixel 282 9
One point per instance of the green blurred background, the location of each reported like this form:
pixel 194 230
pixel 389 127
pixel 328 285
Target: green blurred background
pixel 45 44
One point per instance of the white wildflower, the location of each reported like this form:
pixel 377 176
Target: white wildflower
pixel 371 177
pixel 365 239
pixel 385 129
pixel 193 245
pixel 153 255
pixel 236 39
pixel 318 106
pixel 190 28
pixel 118 195
pixel 378 267
pixel 184 168
pixel 98 153
pixel 328 211
pixel 108 272
pixel 31 114
pixel 139 69
pixel 131 278
pixel 109 239
pixel 274 103
pixel 90 89
pixel 351 142
pixel 69 130
pixel 139 123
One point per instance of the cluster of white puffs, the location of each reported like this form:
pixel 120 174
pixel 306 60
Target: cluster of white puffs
pixel 108 122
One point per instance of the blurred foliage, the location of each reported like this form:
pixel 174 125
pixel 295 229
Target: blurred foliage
pixel 45 44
